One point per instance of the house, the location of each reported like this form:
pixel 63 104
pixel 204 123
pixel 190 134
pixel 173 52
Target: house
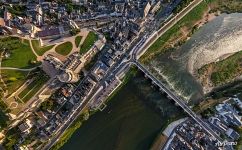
pixel 228 114
pixel 49 33
pixel 217 124
pixel 232 134
pixel 26 126
pixel 238 102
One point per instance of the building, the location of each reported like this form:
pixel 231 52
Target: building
pixel 7 15
pixel 156 7
pixel 146 9
pixel 2 22
pixel 232 134
pixel 49 33
pixel 26 126
pixel 39 14
pixel 68 76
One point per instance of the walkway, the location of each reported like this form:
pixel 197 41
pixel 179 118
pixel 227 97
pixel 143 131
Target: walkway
pixel 172 126
pixel 18 69
pixel 83 34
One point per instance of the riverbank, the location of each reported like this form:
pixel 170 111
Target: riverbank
pixel 163 136
pixel 178 34
pixel 222 72
pixel 219 48
pixel 86 114
pixel 132 119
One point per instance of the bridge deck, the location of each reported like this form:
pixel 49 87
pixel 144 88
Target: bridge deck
pixel 178 100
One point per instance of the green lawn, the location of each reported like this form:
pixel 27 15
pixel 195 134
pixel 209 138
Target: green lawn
pixel 14 79
pixel 33 88
pixel 40 50
pixel 187 21
pixel 78 40
pixel 88 42
pixel 64 48
pixel 21 53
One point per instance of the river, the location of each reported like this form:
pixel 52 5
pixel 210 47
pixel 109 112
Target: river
pixel 132 119
pixel 218 38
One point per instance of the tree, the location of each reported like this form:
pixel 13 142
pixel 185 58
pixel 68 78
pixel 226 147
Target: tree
pixel 47 105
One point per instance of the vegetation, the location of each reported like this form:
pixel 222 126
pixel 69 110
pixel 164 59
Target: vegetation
pixel 239 142
pixel 163 43
pixel 182 5
pixel 21 55
pixel 17 10
pixel 223 71
pixel 47 105
pixel 133 110
pixel 11 138
pixel 90 63
pixel 40 50
pixel 206 104
pixel 3 117
pixel 78 40
pixel 88 42
pixel 74 32
pixel 226 6
pixel 64 48
pixel 33 87
pixel 13 79
pixel 68 133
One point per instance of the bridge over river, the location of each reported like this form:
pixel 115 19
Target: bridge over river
pixel 178 100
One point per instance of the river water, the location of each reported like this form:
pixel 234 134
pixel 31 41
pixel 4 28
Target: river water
pixel 138 112
pixel 131 121
pixel 220 37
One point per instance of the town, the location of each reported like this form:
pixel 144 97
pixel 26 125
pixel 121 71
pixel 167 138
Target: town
pixel 76 53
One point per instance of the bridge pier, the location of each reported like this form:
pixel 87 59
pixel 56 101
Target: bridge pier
pixel 169 97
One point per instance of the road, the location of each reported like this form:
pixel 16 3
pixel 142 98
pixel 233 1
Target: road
pixel 136 50
pixel 155 35
pixel 182 103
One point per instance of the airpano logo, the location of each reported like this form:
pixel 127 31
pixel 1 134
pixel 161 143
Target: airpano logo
pixel 225 143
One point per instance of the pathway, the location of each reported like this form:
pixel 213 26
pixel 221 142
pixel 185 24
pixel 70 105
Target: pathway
pixel 1 72
pixel 83 34
pixel 39 58
pixel 18 69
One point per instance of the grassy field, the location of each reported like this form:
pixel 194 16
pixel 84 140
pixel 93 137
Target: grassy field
pixel 223 71
pixel 69 132
pixel 226 6
pixel 21 55
pixel 163 43
pixel 88 42
pixel 33 88
pixel 78 40
pixel 132 119
pixel 13 79
pixel 64 48
pixel 40 50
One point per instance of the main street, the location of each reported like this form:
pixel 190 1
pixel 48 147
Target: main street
pixel 136 50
